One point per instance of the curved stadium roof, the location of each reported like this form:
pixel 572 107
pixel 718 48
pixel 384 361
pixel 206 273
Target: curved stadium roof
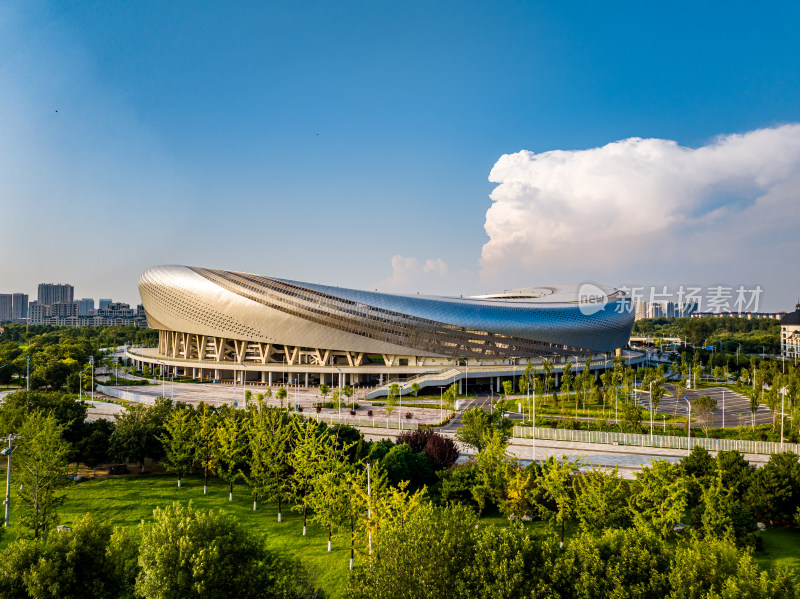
pixel 536 321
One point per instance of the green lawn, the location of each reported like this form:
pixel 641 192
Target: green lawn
pixel 781 549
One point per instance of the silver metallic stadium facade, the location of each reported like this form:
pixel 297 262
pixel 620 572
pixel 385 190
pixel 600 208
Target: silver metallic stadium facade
pixel 217 320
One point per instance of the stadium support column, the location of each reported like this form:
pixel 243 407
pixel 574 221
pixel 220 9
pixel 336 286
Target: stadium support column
pixel 270 379
pixel 263 376
pixel 306 383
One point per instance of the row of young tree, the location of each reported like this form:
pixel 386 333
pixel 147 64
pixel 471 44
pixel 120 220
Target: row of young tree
pixel 613 395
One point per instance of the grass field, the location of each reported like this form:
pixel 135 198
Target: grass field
pixel 128 500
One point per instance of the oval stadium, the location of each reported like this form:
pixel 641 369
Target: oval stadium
pixel 217 325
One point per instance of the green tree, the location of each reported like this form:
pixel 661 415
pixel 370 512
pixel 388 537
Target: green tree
pixel 136 435
pixel 478 426
pixel 508 388
pixel 307 461
pixel 415 389
pixel 230 449
pixel 774 491
pixel 91 560
pixel 205 440
pixel 712 567
pixel 557 499
pixel 658 497
pixel 391 399
pixel 93 448
pixel 348 392
pixel 449 397
pixel 329 498
pixel 601 501
pixel 703 409
pixel 178 441
pixel 620 563
pixel 724 516
pixel 402 463
pixel 324 390
pixel 754 395
pixel 188 553
pixel 40 462
pixel 270 438
pixel 281 394
pixel 495 469
pixel 419 556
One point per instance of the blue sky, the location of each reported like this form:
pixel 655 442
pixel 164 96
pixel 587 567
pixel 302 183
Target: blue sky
pixel 351 143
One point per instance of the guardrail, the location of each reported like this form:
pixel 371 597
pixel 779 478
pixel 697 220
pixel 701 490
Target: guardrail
pixel 661 441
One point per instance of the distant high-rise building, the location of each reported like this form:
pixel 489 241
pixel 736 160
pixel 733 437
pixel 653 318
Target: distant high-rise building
pixel 104 303
pixel 687 309
pixel 117 310
pixel 639 310
pixel 64 309
pixel 5 306
pixel 51 293
pixel 19 306
pixel 85 306
pixel 38 312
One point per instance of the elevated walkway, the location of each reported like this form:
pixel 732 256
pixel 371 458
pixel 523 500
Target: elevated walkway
pixel 448 376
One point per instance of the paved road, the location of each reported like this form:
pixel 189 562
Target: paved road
pixel 736 406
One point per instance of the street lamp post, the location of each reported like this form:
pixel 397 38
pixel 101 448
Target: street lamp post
pixel 28 375
pixel 91 362
pixel 339 402
pixel 7 452
pixel 400 411
pixel 689 437
pixel 80 383
pixel 651 411
pixel 533 427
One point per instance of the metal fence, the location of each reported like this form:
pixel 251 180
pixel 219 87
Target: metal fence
pixel 330 418
pixel 128 395
pixel 369 422
pixel 662 441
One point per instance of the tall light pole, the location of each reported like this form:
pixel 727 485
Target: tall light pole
pixel 689 437
pixel 651 411
pixel 28 375
pixel 400 411
pixel 91 362
pixel 7 452
pixel 339 402
pixel 80 383
pixel 783 399
pixel 533 427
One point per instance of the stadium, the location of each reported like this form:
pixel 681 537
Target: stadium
pixel 222 325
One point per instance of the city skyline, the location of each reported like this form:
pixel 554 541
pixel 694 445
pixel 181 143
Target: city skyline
pixel 441 148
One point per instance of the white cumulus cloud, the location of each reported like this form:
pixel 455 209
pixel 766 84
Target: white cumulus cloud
pixel 432 275
pixel 648 209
